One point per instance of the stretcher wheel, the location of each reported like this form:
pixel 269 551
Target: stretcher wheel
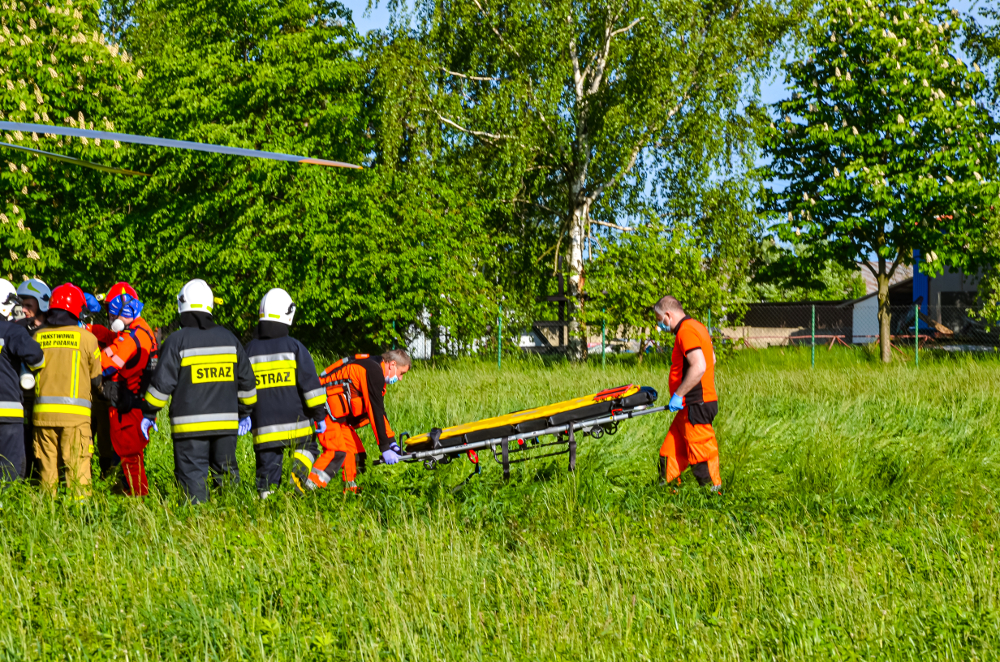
pixel 611 428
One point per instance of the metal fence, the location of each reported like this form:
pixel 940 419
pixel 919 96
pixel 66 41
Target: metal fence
pixel 818 326
pixel 855 324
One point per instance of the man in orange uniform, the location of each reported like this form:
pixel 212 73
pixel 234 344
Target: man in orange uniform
pixel 691 439
pixel 128 356
pixel 355 388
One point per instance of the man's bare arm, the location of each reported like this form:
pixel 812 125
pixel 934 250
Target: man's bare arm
pixel 696 370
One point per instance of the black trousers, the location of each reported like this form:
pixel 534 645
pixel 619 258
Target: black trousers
pixel 12 461
pixel 269 462
pixel 30 470
pixel 194 458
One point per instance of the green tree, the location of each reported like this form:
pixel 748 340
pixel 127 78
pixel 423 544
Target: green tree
pixel 56 68
pixel 882 148
pixel 360 252
pixel 790 274
pixel 577 114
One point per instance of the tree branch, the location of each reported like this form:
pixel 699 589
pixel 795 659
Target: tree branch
pixel 612 225
pixel 480 78
pixel 483 135
pixel 627 27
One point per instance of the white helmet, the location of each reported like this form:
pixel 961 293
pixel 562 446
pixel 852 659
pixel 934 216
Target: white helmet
pixel 37 289
pixel 8 298
pixel 277 306
pixel 196 296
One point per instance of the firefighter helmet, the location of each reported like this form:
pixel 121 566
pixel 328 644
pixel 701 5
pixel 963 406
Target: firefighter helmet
pixel 70 298
pixel 123 301
pixel 195 297
pixel 38 290
pixel 277 306
pixel 8 298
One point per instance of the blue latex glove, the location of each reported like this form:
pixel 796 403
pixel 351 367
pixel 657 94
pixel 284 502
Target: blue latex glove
pixel 676 402
pixel 93 305
pixel 145 425
pixel 391 456
pixel 321 427
pixel 244 426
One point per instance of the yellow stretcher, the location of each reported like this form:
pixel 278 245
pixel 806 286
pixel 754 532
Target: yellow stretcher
pixel 592 415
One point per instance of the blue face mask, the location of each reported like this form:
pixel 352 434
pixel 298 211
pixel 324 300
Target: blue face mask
pixel 663 327
pixel 392 380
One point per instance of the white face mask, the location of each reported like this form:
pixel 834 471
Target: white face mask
pixel 118 325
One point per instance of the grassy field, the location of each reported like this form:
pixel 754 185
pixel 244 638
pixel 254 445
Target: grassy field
pixel 859 521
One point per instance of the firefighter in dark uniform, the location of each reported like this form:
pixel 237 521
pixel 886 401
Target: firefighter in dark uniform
pixel 17 348
pixel 206 371
pixel 289 397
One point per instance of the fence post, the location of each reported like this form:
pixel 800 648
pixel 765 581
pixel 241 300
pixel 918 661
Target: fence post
pixel 604 323
pixel 916 334
pixel 814 336
pixel 499 335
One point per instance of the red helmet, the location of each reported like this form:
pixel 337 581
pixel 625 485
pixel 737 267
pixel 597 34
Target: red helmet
pixel 68 297
pixel 119 289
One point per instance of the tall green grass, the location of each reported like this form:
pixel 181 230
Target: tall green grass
pixel 859 520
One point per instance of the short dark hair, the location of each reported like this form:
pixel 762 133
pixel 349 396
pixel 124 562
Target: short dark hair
pixel 401 358
pixel 668 303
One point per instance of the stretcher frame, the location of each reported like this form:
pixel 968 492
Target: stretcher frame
pixel 503 447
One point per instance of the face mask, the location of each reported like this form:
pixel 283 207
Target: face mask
pixel 118 325
pixel 392 380
pixel 663 327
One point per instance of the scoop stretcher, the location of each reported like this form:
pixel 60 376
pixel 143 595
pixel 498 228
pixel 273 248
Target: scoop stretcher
pixel 506 436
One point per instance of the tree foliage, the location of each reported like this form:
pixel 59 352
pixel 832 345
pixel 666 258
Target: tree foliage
pixel 360 252
pixel 56 67
pixel 581 114
pixel 883 148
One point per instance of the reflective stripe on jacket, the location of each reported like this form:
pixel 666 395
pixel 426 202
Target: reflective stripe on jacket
pixel 289 395
pixel 62 391
pixel 207 377
pixel 17 349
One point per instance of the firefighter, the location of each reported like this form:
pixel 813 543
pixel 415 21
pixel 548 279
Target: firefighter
pixel 691 439
pixel 35 296
pixel 206 370
pixel 63 394
pixel 127 359
pixel 17 349
pixel 355 388
pixel 289 397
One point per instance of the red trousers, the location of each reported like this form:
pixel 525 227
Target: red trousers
pixel 341 445
pixel 129 444
pixel 687 444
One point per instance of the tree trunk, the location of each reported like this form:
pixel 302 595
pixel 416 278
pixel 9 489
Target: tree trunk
pixel 884 314
pixel 577 236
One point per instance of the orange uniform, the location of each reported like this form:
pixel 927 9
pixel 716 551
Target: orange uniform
pixel 355 388
pixel 124 360
pixel 691 439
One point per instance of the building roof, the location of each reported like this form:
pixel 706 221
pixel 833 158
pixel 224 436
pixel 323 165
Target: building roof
pixel 903 272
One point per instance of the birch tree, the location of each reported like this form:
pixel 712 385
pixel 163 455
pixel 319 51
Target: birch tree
pixel 576 111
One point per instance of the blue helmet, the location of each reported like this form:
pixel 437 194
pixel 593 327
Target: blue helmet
pixel 123 301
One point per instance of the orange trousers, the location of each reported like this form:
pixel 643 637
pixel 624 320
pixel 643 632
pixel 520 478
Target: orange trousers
pixel 687 444
pixel 341 446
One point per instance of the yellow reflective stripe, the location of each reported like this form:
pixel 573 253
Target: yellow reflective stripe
pixel 11 413
pixel 208 358
pixel 273 365
pixel 75 388
pixel 315 402
pixel 156 402
pixel 205 427
pixel 283 435
pixel 62 409
pixel 97 354
pixel 252 400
